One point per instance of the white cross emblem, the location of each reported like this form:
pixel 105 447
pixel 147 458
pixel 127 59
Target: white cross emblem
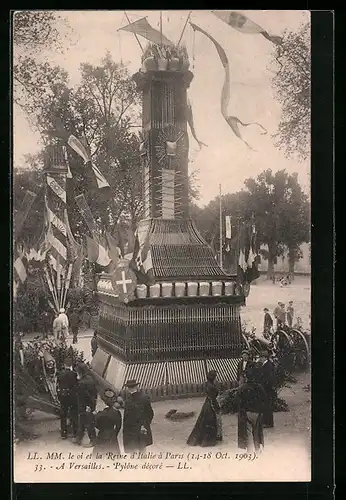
pixel 123 281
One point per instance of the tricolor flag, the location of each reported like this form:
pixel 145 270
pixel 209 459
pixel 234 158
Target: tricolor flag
pixel 114 252
pixel 247 261
pixel 141 262
pixel 244 25
pixel 144 29
pixel 82 151
pixel 97 253
pixel 232 121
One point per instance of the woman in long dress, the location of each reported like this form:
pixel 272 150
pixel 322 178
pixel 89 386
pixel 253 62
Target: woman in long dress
pixel 108 422
pixel 207 430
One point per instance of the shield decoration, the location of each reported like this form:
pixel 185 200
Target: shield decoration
pixel 124 283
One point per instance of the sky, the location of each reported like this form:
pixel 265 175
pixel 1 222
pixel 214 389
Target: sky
pixel 226 160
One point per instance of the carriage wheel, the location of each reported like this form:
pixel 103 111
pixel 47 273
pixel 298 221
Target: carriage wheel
pixel 285 350
pixel 301 349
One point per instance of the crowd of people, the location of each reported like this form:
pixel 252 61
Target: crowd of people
pixel 283 317
pixel 254 398
pixel 77 393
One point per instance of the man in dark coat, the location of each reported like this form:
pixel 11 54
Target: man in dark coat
pixel 67 395
pixel 252 402
pixel 74 323
pixel 138 416
pixel 94 344
pixel 86 399
pixel 266 377
pixel 243 365
pixel 268 322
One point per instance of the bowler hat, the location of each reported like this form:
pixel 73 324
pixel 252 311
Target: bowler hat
pixel 131 383
pixel 245 351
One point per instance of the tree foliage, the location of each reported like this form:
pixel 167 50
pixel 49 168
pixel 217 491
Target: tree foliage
pixel 292 87
pixel 34 30
pixel 280 210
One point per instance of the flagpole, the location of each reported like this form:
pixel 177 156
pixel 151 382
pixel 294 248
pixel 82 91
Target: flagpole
pixel 139 43
pixel 182 33
pixel 220 227
pixel 161 25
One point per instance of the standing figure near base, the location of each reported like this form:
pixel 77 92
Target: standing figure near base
pixel 290 313
pixel 252 402
pixel 138 416
pixel 268 323
pixel 266 377
pixel 208 427
pixel 74 323
pixel 94 344
pixel 243 366
pixel 64 324
pixel 67 395
pixel 86 399
pixel 108 423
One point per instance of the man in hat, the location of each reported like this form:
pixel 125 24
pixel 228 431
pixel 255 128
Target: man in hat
pixel 74 322
pixel 138 416
pixel 290 313
pixel 252 402
pixel 266 377
pixel 67 395
pixel 86 401
pixel 243 365
pixel 268 322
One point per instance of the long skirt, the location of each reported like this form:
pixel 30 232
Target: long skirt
pixel 268 416
pixel 207 430
pixel 250 430
pixel 107 441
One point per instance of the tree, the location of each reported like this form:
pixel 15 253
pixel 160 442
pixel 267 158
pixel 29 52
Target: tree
pixel 291 83
pixel 103 111
pixel 281 212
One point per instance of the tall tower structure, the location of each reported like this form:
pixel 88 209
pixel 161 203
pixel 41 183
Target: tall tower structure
pixel 169 333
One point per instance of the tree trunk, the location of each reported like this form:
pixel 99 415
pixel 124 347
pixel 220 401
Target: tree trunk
pixel 291 262
pixel 270 272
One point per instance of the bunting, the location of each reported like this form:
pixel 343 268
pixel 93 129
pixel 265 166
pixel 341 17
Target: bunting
pixel 247 260
pixel 244 25
pixel 232 121
pixel 192 126
pixel 97 253
pixel 144 29
pixel 22 213
pixel 141 262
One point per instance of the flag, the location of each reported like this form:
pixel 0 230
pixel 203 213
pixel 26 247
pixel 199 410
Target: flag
pixel 192 126
pixel 247 260
pixel 144 29
pixel 225 92
pixel 82 151
pixel 244 25
pixel 113 252
pixel 141 262
pixel 23 212
pixel 228 227
pixel 97 253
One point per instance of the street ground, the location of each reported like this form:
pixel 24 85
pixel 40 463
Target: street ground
pixel 287 447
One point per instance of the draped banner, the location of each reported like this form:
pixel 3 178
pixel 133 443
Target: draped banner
pixel 87 215
pixel 81 150
pixel 232 121
pixel 192 126
pixel 144 29
pixel 23 212
pixel 244 25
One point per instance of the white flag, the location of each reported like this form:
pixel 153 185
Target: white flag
pixel 228 227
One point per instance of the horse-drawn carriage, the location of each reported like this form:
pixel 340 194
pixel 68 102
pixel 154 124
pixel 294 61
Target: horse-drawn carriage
pixel 290 346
